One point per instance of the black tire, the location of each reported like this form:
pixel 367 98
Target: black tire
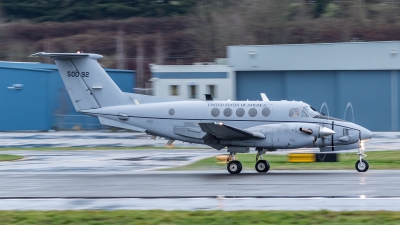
pixel 262 166
pixel 234 167
pixel 362 167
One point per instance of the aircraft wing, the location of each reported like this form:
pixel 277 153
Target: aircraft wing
pixel 226 132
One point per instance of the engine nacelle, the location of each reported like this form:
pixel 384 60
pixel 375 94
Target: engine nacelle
pixel 287 136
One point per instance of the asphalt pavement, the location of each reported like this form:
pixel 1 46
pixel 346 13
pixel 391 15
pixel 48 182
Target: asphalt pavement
pixel 129 179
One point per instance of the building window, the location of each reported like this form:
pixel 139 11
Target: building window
pixel 212 90
pixel 192 91
pixel 174 90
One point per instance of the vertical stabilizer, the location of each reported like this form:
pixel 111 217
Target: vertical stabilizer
pixel 88 84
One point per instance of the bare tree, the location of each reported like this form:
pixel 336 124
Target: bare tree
pixel 140 63
pixel 48 47
pixel 160 49
pixel 120 50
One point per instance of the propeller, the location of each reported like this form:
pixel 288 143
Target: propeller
pixel 348 110
pixel 324 104
pixel 349 105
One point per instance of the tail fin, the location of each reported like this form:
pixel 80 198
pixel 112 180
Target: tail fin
pixel 88 84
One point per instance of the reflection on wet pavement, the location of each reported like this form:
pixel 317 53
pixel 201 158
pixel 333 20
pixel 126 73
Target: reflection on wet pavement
pixel 101 160
pixel 379 141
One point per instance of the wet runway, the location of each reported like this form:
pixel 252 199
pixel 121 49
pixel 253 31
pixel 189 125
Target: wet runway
pixel 127 179
pixel 166 184
pixel 193 190
pixel 119 179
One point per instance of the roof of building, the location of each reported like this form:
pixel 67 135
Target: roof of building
pixel 326 56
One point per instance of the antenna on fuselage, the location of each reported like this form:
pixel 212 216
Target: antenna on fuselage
pixel 264 97
pixel 209 97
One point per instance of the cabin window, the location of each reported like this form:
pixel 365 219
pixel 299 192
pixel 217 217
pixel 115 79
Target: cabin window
pixel 240 112
pixel 174 90
pixel 171 112
pixel 228 112
pixel 215 112
pixel 266 112
pixel 192 91
pixel 252 112
pixel 294 112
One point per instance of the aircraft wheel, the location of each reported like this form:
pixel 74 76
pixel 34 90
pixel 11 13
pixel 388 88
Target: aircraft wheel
pixel 262 166
pixel 362 166
pixel 234 167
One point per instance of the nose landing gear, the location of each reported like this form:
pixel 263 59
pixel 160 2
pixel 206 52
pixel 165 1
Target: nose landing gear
pixel 362 164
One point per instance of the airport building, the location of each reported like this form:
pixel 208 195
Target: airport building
pixel 33 97
pixel 193 81
pixel 342 77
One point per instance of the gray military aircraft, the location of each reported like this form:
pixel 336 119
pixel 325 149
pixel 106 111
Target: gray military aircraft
pixel 235 125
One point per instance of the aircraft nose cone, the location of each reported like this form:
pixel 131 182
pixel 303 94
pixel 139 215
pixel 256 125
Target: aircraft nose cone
pixel 366 134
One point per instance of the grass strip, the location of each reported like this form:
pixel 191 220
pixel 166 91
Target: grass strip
pixel 150 217
pixel 377 160
pixel 9 158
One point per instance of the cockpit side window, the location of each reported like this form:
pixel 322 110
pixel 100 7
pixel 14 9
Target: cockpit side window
pixel 310 111
pixel 303 114
pixel 294 112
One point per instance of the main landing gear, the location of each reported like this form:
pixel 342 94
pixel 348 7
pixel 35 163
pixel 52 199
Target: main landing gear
pixel 235 167
pixel 262 165
pixel 362 164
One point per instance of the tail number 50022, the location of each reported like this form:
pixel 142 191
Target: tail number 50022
pixel 77 74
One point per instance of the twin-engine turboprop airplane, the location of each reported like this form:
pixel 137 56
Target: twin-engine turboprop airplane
pixel 238 125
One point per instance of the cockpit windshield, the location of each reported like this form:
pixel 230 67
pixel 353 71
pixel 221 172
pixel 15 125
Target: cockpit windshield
pixel 312 112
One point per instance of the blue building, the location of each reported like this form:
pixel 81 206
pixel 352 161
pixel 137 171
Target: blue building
pixel 364 75
pixel 33 97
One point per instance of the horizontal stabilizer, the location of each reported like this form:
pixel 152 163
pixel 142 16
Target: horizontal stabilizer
pixel 226 132
pixel 114 123
pixel 66 55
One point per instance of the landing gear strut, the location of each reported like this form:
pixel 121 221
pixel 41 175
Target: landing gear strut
pixel 262 165
pixel 234 166
pixel 362 164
